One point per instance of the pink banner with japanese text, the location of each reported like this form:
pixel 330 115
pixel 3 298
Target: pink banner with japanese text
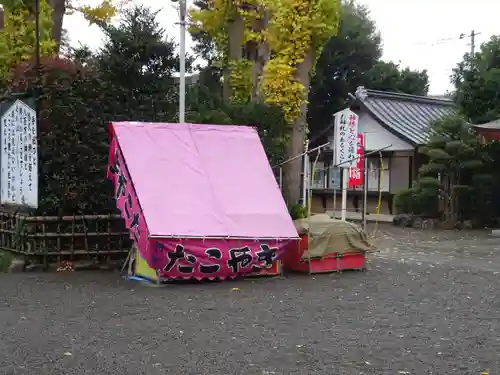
pixel 126 199
pixel 210 258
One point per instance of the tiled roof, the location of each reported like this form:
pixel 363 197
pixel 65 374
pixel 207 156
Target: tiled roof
pixel 407 116
pixel 492 125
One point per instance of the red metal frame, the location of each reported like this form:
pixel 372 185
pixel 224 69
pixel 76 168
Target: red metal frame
pixel 331 262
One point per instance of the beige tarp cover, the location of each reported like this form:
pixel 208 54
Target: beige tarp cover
pixel 327 236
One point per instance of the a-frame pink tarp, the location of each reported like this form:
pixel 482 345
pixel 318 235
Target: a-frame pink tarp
pixel 202 183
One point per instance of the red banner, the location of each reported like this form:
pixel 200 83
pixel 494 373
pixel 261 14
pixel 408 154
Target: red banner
pixel 356 173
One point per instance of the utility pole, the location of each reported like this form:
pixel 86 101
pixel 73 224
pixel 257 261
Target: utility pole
pixel 182 76
pixel 472 43
pixel 182 60
pixel 472 37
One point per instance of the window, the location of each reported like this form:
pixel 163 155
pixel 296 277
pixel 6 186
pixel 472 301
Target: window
pixel 377 174
pixel 329 177
pixel 335 176
pixel 318 180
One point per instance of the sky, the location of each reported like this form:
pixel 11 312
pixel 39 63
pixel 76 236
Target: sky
pixel 420 34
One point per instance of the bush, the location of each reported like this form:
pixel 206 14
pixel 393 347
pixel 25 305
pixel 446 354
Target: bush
pixel 403 201
pixel 417 201
pixel 297 211
pixel 73 141
pixel 206 108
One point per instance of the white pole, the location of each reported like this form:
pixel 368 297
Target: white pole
pixel 365 185
pixel 334 199
pixel 345 182
pixel 332 171
pixel 305 182
pixel 182 68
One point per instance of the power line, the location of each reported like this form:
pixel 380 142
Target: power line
pixel 437 42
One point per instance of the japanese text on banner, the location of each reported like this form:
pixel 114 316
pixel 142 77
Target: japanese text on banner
pixel 126 199
pixel 186 258
pixel 356 173
pixel 345 138
pixel 19 156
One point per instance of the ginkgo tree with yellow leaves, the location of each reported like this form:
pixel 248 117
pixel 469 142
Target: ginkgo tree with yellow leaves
pixel 94 11
pixel 268 50
pixel 18 37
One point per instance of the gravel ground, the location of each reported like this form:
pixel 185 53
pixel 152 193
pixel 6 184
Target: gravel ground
pixel 427 305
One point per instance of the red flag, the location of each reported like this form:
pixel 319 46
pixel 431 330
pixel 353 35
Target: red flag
pixel 356 173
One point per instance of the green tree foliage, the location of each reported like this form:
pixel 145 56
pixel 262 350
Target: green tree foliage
pixel 206 106
pixel 477 86
pixel 344 64
pixel 17 39
pixel 204 46
pixel 352 59
pixel 93 11
pixel 138 59
pixel 454 174
pixel 389 76
pixel 477 83
pixel 130 78
pixel 73 138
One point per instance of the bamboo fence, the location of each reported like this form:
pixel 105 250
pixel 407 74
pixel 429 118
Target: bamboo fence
pixel 66 237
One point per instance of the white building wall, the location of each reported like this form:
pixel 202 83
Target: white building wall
pixel 378 137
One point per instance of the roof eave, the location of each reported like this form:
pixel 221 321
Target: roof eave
pixel 409 97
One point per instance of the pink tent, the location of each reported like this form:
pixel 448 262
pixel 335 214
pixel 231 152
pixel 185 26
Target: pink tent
pixel 200 200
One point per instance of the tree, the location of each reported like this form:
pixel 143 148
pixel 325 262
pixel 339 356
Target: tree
pixel 477 83
pixel 136 65
pixel 130 78
pixel 454 168
pixel 17 39
pixel 18 42
pixel 206 106
pixel 351 59
pixel 102 12
pixel 345 62
pixel 267 50
pixel 204 43
pixel 72 137
pixel 477 86
pixel 98 13
pixel 388 76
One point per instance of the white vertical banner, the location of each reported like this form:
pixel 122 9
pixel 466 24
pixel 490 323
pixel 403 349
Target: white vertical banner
pixel 19 156
pixel 345 138
pixel 345 149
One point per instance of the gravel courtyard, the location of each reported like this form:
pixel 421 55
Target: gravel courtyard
pixel 427 305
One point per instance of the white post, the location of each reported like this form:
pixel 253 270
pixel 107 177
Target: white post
pixel 332 169
pixel 335 201
pixel 365 185
pixel 305 179
pixel 345 182
pixel 182 67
